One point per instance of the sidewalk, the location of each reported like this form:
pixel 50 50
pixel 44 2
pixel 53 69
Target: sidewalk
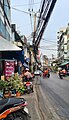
pixel 32 105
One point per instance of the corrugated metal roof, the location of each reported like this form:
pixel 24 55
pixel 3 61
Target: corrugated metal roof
pixel 6 45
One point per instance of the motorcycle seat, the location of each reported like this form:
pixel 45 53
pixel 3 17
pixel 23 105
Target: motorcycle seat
pixel 10 102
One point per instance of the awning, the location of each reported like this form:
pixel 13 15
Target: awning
pixel 6 45
pixel 64 63
pixel 13 55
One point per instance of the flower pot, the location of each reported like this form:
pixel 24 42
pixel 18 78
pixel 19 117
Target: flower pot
pixel 7 94
pixel 18 94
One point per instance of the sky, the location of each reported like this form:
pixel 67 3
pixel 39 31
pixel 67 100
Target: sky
pixel 24 24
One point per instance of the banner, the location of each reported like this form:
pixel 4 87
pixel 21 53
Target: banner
pixel 9 68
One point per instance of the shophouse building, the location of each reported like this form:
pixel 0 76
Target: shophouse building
pixel 5 19
pixel 4 25
pixel 67 30
pixel 62 45
pixel 6 44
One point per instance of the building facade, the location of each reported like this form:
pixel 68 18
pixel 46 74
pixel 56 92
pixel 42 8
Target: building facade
pixel 5 29
pixel 6 45
pixel 62 45
pixel 67 30
pixel 5 19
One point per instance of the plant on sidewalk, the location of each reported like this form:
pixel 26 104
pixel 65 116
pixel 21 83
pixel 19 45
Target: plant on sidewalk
pixel 15 82
pixel 2 84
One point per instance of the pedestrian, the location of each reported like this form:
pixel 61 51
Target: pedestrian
pixel 27 74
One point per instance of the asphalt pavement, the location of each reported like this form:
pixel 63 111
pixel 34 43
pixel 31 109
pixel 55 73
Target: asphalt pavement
pixel 55 92
pixel 33 103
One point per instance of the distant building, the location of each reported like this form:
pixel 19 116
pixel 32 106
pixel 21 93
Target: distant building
pixel 67 31
pixel 62 45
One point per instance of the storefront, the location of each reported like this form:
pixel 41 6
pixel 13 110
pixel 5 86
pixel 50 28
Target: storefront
pixel 6 49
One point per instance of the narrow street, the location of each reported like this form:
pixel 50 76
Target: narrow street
pixel 50 100
pixel 34 46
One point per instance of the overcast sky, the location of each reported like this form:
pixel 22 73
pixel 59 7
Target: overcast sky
pixel 59 18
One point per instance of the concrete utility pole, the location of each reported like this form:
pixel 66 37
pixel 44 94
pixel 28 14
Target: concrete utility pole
pixel 34 22
pixel 34 28
pixel 30 60
pixel 34 33
pixel 34 36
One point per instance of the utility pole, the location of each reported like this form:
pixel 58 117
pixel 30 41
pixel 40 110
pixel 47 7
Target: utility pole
pixel 34 27
pixel 30 59
pixel 34 36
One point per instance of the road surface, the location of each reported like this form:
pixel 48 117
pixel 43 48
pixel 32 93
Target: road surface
pixel 53 97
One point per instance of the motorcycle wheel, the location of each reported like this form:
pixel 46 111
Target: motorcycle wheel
pixel 48 75
pixel 61 77
pixel 17 116
pixel 28 91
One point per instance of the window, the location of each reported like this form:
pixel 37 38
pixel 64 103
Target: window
pixel 3 30
pixel 7 9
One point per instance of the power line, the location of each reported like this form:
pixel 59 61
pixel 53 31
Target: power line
pixel 30 7
pixel 16 9
pixel 46 41
pixel 26 13
pixel 23 11
pixel 49 49
pixel 51 45
pixel 49 42
pixel 47 8
pixel 20 10
pixel 27 4
pixel 31 14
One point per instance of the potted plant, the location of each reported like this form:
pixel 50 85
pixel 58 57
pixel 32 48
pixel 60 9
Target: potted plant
pixel 4 88
pixel 16 83
pixel 2 85
pixel 18 92
pixel 13 83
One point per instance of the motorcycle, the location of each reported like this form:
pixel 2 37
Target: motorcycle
pixel 46 75
pixel 28 85
pixel 61 75
pixel 13 109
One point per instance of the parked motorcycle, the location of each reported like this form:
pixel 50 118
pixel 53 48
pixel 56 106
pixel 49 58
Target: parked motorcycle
pixel 13 109
pixel 28 84
pixel 29 87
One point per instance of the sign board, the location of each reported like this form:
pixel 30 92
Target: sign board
pixel 9 68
